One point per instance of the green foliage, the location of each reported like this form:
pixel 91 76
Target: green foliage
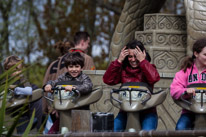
pixel 100 61
pixel 36 74
pixel 16 119
pixel 3 107
pixel 40 24
pixel 5 82
pixel 29 125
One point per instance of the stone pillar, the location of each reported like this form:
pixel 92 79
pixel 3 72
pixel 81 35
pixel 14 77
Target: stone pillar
pixel 165 38
pixel 196 21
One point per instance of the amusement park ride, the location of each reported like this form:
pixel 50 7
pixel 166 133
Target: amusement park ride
pixel 168 39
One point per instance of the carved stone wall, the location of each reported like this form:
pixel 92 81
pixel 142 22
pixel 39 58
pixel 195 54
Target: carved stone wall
pixel 165 38
pixel 196 21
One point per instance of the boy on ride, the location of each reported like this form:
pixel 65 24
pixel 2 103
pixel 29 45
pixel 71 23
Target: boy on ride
pixel 24 88
pixel 193 70
pixel 74 63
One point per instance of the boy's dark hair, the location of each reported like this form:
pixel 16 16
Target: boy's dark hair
pixel 74 58
pixel 81 35
pixel 11 61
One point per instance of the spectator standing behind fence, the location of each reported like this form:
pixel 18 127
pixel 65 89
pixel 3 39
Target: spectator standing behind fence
pixel 82 41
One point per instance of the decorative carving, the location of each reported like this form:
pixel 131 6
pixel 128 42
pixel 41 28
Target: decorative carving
pixel 171 40
pixel 165 21
pixel 167 61
pixel 145 38
pixel 150 23
pixel 166 39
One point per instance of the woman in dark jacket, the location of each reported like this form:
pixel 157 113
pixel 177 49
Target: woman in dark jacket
pixel 133 65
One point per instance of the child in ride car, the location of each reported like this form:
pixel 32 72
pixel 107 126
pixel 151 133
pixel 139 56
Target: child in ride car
pixel 24 88
pixel 192 71
pixel 74 63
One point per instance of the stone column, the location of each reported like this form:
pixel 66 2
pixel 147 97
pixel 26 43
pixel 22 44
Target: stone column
pixel 165 38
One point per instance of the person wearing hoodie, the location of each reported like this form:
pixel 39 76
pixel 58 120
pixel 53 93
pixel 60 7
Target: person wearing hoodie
pixel 193 70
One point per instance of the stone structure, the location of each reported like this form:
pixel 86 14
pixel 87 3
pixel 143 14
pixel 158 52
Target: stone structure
pixel 164 37
pixel 196 21
pixel 131 20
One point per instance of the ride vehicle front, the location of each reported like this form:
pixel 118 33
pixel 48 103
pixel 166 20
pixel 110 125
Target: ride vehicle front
pixel 65 101
pixel 133 97
pixel 195 104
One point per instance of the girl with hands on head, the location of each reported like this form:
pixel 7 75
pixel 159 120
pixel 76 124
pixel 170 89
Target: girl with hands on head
pixel 137 54
pixel 133 65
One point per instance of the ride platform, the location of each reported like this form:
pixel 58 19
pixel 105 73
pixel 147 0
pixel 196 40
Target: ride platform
pixel 182 133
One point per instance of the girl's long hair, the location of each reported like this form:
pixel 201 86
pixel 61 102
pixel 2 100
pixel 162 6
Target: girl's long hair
pixel 197 47
pixel 132 45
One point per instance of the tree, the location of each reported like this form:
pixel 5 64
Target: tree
pixel 31 28
pixel 5 7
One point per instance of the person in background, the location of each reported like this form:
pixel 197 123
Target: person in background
pixel 57 67
pixel 24 88
pixel 133 65
pixel 81 42
pixel 193 70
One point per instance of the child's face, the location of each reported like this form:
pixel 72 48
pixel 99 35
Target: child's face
pixel 132 58
pixel 74 70
pixel 17 70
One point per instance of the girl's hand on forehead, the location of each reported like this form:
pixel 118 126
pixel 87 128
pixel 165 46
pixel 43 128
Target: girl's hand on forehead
pixel 124 52
pixel 139 54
